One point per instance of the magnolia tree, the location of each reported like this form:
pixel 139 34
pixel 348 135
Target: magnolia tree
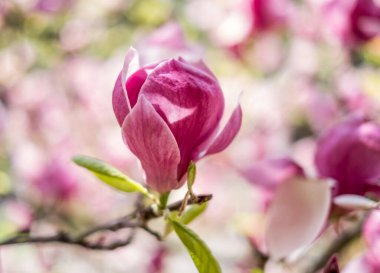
pixel 282 177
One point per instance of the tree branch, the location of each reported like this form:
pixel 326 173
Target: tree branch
pixel 137 219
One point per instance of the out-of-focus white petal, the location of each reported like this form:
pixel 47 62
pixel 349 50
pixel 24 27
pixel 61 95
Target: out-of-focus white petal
pixel 355 202
pixel 296 216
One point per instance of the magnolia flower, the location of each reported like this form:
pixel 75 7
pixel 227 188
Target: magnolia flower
pixel 349 153
pixel 353 21
pixel 170 113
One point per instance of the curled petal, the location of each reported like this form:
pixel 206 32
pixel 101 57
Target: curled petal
pixel 120 98
pixel 131 64
pixel 229 132
pixel 150 139
pixel 296 216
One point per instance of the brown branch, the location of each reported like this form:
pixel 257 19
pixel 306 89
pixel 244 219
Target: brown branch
pixel 137 219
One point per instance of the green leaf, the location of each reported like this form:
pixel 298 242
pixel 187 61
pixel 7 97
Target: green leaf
pixel 191 173
pixel 187 216
pixel 257 270
pixel 193 212
pixel 109 174
pixel 198 250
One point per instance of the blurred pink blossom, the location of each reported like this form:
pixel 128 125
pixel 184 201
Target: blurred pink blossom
pixel 53 6
pixel 353 21
pixel 349 152
pixel 166 41
pixel 269 14
pixel 270 173
pixel 55 181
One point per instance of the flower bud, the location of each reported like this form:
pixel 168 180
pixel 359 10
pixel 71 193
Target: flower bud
pixel 169 113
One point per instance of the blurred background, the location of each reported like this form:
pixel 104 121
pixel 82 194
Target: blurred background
pixel 301 65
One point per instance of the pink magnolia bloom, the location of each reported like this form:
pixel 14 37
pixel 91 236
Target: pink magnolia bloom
pixel 354 21
pixel 169 113
pixel 349 152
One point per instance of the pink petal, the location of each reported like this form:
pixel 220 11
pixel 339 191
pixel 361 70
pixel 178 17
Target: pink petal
pixel 120 100
pixel 128 85
pixel 200 65
pixel 296 216
pixel 229 132
pixel 189 100
pixel 151 140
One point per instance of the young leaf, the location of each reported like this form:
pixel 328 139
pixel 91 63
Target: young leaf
pixel 199 252
pixel 191 173
pixel 193 212
pixel 187 216
pixel 109 174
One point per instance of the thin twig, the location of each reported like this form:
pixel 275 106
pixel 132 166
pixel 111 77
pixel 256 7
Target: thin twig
pixel 137 219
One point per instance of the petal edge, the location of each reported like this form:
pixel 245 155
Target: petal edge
pixel 229 132
pixel 151 140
